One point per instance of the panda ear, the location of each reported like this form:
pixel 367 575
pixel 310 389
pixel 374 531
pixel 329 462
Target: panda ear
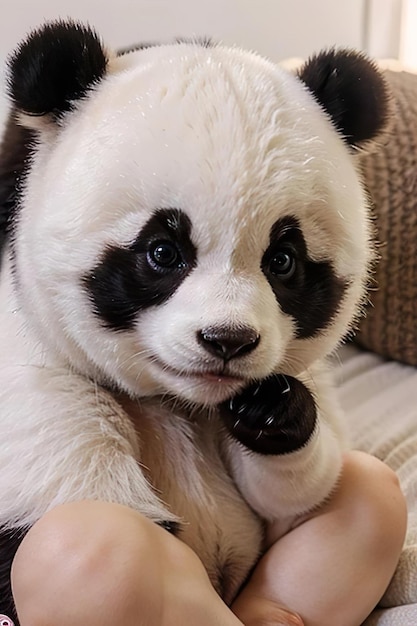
pixel 53 67
pixel 350 88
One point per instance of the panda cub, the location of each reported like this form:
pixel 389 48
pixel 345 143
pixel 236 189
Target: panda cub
pixel 188 239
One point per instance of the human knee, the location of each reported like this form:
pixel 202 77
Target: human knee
pixel 92 559
pixel 369 475
pixel 377 502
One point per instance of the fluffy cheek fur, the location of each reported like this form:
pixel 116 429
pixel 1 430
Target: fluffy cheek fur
pixel 233 192
pixel 176 358
pixel 161 353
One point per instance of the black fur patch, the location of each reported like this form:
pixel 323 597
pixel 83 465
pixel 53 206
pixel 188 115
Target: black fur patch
pixel 54 66
pixel 274 416
pixel 10 540
pixel 125 281
pixel 172 527
pixel 313 294
pixel 2 244
pixel 352 91
pixel 14 157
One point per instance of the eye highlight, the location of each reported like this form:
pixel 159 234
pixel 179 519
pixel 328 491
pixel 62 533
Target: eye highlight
pixel 283 264
pixel 164 255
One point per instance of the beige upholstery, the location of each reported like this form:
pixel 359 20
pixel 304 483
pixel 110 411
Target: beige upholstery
pixel 380 401
pixel 390 327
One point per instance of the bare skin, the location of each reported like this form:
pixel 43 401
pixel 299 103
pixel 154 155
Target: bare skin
pixel 98 564
pixel 334 567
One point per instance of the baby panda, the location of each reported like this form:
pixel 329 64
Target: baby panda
pixel 188 239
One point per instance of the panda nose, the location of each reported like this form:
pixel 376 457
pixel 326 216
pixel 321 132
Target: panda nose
pixel 228 343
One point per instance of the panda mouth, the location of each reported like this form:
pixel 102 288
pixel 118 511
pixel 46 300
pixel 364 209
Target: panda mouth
pixel 209 376
pixel 220 377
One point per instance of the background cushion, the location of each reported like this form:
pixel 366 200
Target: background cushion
pixel 380 401
pixel 400 616
pixel 390 327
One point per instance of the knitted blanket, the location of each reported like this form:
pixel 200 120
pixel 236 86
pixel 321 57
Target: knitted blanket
pixel 390 174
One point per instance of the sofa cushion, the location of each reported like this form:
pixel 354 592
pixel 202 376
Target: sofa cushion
pixel 400 616
pixel 380 401
pixel 390 174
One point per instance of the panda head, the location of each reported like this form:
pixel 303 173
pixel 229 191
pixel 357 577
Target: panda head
pixel 192 218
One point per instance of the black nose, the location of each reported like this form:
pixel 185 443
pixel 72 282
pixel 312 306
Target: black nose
pixel 228 343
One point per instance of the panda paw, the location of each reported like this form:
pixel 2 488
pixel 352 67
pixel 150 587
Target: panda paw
pixel 276 415
pixel 172 527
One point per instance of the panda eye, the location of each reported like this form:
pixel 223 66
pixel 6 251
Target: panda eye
pixel 164 254
pixel 283 264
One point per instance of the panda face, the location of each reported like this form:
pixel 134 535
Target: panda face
pixel 194 224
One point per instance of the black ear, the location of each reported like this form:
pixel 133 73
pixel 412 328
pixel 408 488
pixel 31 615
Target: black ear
pixel 351 90
pixel 54 66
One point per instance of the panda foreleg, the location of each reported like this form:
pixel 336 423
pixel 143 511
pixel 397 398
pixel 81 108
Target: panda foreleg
pixel 285 446
pixel 64 439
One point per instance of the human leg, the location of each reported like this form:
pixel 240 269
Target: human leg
pixel 100 564
pixel 334 567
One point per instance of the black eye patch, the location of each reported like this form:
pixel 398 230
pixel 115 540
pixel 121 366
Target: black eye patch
pixel 309 291
pixel 147 273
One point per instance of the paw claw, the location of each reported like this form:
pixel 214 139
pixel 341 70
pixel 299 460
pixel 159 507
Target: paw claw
pixel 169 525
pixel 274 416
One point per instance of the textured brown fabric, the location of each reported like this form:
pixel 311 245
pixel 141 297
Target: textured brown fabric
pixel 390 327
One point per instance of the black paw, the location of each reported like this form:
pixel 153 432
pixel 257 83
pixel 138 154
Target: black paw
pixel 10 540
pixel 276 415
pixel 172 527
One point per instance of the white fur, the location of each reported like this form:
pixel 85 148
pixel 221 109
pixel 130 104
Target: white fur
pixel 236 143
